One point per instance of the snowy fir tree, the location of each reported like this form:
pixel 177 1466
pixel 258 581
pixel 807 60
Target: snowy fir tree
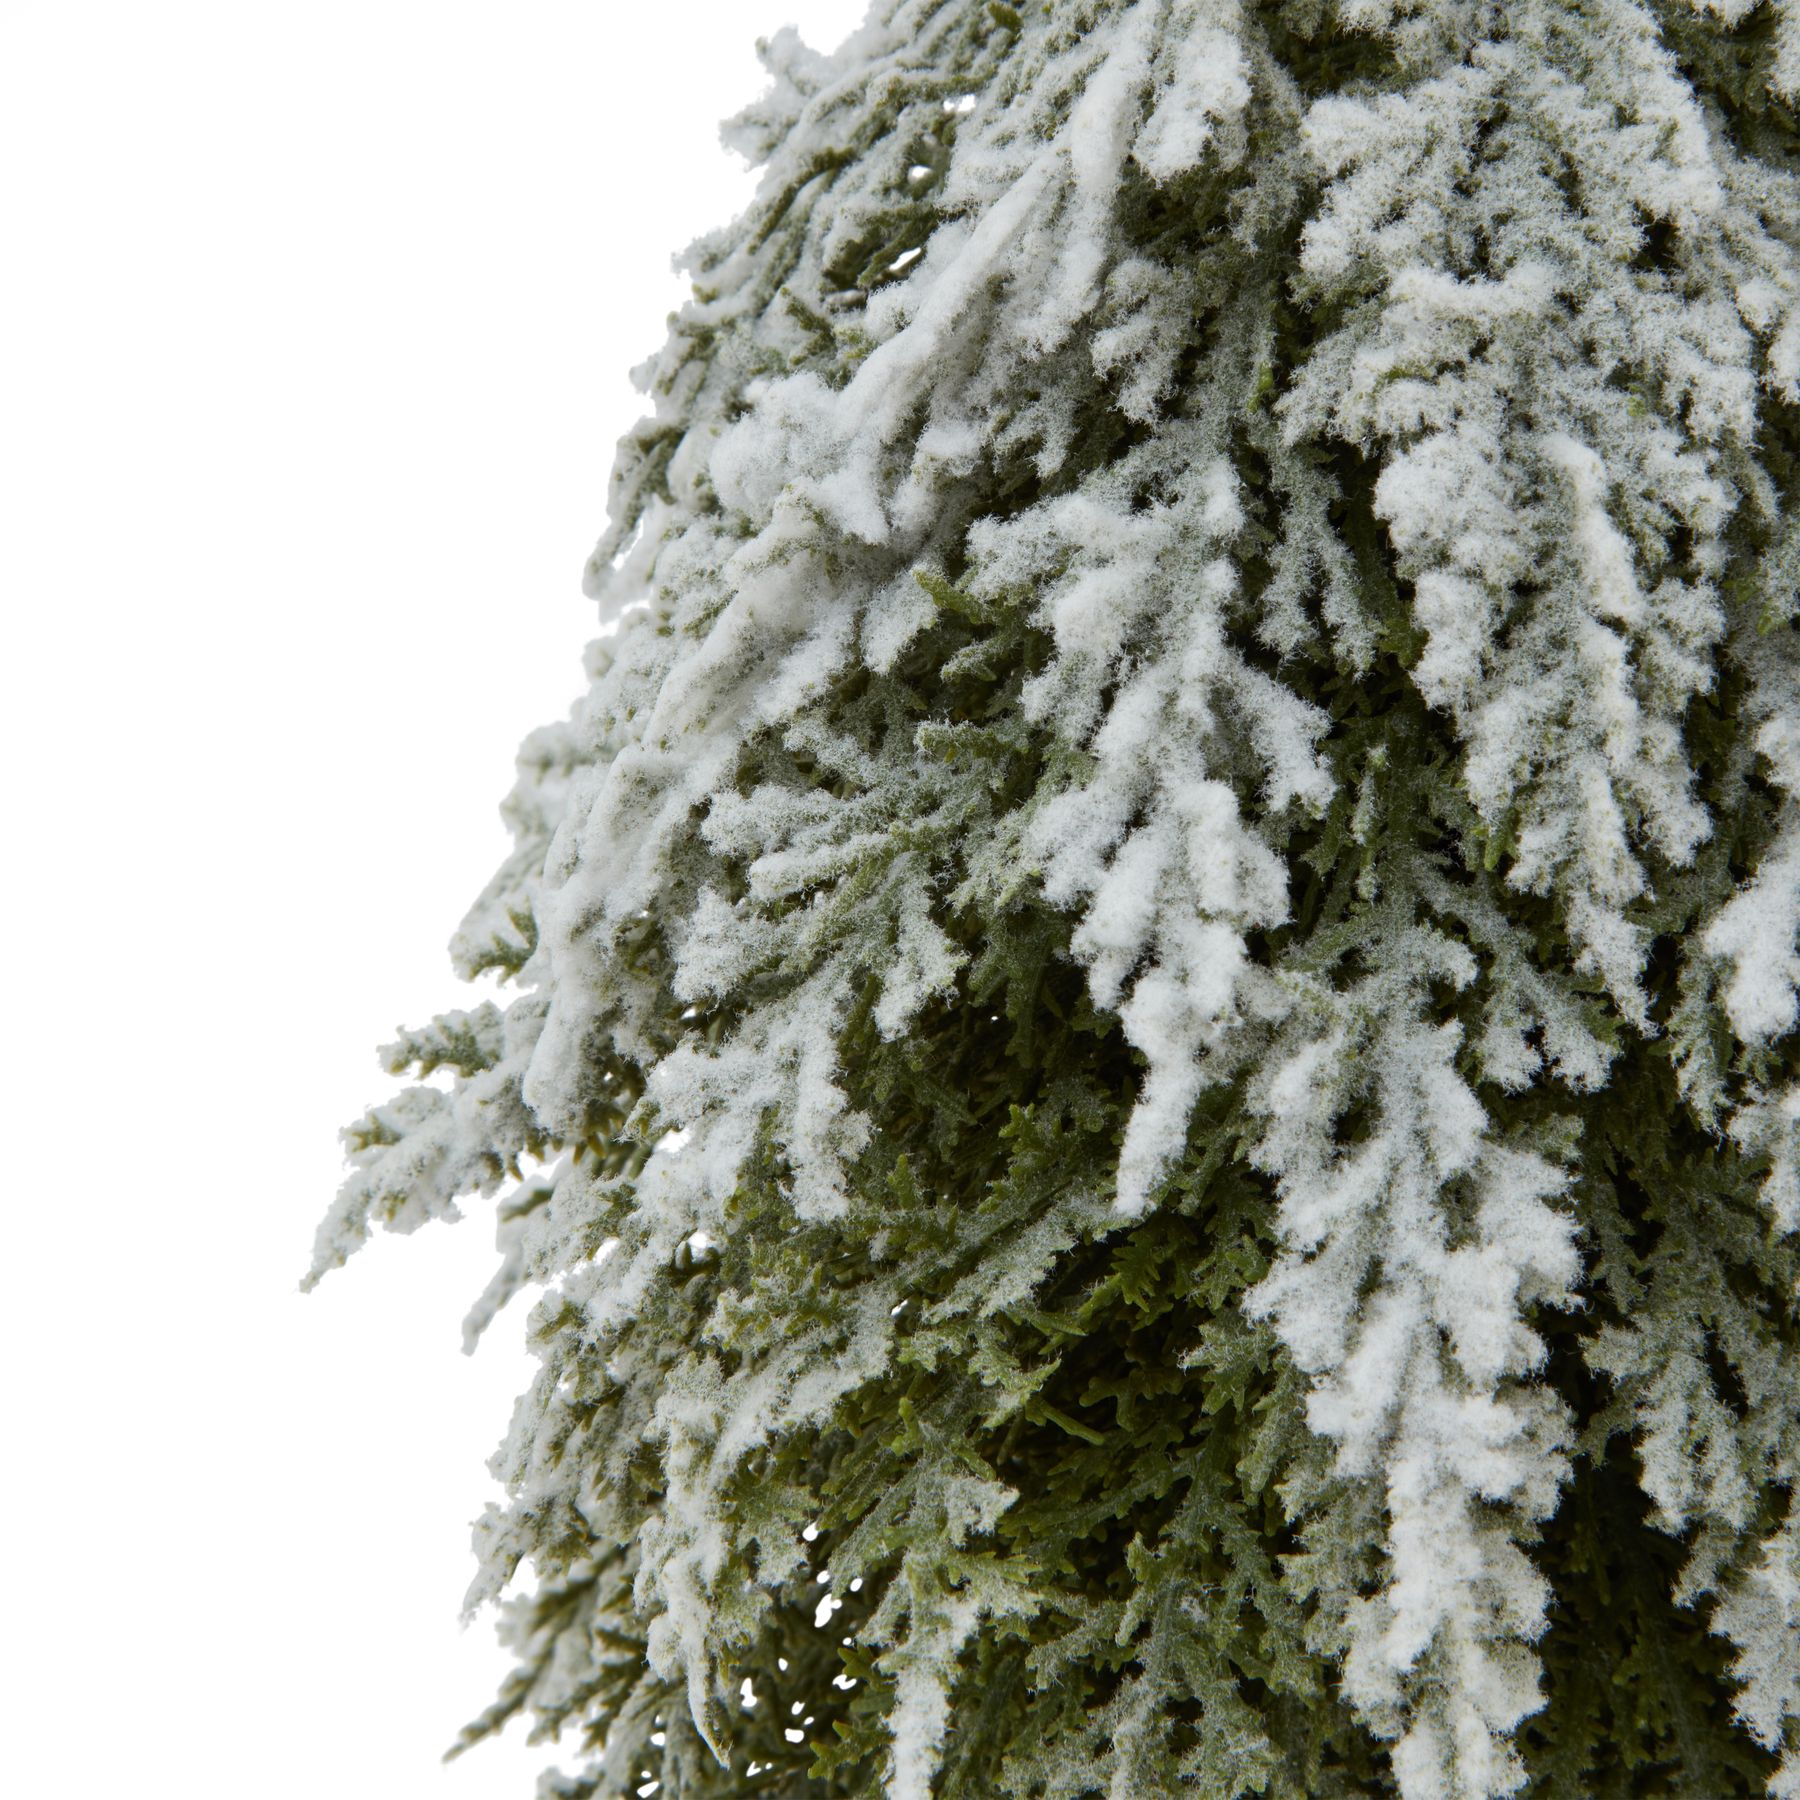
pixel 1150 1096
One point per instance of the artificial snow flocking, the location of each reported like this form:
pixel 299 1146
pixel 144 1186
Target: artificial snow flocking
pixel 1147 1078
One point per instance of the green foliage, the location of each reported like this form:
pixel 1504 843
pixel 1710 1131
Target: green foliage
pixel 1019 1321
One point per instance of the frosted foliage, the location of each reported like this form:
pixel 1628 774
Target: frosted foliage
pixel 1768 1127
pixel 1502 364
pixel 1784 75
pixel 1755 932
pixel 1762 1617
pixel 1414 1341
pixel 1152 845
pixel 1519 296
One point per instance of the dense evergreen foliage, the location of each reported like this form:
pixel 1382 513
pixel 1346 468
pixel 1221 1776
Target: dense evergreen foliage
pixel 1152 1089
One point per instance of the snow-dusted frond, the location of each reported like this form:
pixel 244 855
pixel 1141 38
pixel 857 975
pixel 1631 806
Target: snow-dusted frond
pixel 1784 16
pixel 1415 1342
pixel 1557 417
pixel 1762 1619
pixel 1755 933
pixel 1768 1126
pixel 412 1158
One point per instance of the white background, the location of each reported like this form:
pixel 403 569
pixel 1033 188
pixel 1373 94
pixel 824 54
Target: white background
pixel 316 326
